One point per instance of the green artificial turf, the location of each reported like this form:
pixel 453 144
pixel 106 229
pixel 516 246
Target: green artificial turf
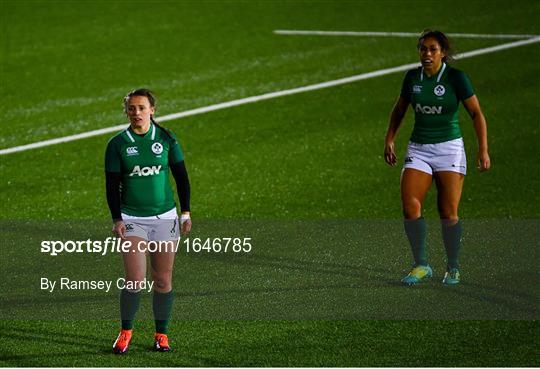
pixel 303 175
pixel 282 343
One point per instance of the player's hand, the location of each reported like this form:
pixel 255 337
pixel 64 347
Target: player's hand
pixel 390 154
pixel 185 223
pixel 119 229
pixel 483 161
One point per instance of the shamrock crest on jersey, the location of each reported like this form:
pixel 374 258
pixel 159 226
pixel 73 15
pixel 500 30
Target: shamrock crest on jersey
pixel 439 90
pixel 157 148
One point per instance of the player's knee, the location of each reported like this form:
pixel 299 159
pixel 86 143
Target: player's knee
pixel 449 219
pixel 448 213
pixel 412 208
pixel 162 283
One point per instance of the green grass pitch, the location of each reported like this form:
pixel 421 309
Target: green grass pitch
pixel 302 174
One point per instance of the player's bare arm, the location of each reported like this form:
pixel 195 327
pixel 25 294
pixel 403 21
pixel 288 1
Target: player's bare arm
pixel 480 126
pixel 396 118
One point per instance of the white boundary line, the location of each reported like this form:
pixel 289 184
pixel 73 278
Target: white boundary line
pixel 267 96
pixel 395 34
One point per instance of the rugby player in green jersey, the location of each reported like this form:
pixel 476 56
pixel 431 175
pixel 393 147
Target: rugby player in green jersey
pixel 435 151
pixel 137 165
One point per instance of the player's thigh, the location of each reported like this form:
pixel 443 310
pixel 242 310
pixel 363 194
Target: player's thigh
pixel 162 260
pixel 449 189
pixel 135 258
pixel 414 185
pixel 162 269
pixel 165 235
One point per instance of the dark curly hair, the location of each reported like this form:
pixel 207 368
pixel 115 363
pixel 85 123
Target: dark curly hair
pixel 443 41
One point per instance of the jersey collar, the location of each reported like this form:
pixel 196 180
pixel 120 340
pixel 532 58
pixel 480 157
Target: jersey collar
pixel 438 76
pixel 152 132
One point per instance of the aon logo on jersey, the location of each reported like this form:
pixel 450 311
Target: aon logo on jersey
pixel 145 171
pixel 428 109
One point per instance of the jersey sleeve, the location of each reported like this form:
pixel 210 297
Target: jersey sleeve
pixel 462 85
pixel 112 158
pixel 175 151
pixel 406 87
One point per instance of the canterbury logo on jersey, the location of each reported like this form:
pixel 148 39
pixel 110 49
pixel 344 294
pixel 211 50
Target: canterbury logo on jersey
pixel 145 171
pixel 133 150
pixel 428 109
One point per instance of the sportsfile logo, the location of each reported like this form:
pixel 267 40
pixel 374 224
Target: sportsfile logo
pixel 110 244
pixel 428 109
pixel 145 171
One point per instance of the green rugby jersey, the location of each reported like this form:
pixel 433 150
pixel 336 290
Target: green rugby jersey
pixel 435 101
pixel 143 162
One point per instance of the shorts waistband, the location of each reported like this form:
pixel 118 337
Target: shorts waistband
pixel 171 214
pixel 454 141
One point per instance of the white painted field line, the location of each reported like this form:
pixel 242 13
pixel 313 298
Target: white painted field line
pixel 496 48
pixel 55 141
pixel 267 96
pixel 395 34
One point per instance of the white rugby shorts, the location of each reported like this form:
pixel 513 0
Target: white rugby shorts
pixel 446 156
pixel 161 227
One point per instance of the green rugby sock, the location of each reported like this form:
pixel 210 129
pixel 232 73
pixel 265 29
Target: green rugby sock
pixel 451 234
pixel 416 231
pixel 129 304
pixel 162 306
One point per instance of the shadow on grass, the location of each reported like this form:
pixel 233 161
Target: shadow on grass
pixel 92 348
pixel 315 267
